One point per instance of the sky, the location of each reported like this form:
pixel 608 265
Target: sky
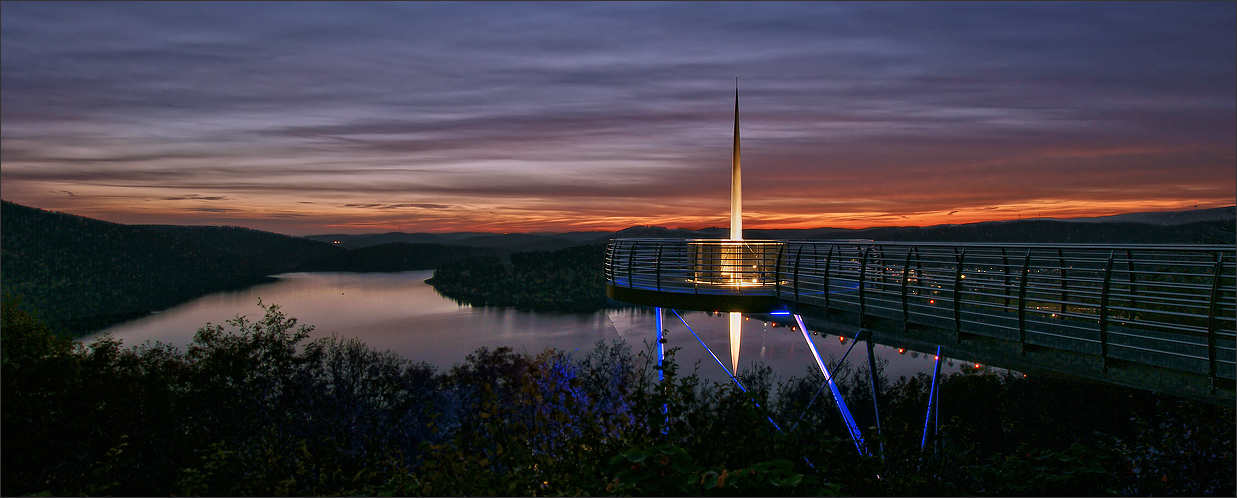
pixel 314 118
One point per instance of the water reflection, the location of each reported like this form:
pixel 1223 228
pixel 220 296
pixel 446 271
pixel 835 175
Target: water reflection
pixel 399 312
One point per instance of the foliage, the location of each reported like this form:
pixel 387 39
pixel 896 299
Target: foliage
pixel 1178 451
pixel 256 408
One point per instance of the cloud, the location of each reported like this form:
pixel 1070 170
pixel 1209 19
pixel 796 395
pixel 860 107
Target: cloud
pixel 399 206
pixel 214 210
pixel 565 114
pixel 196 197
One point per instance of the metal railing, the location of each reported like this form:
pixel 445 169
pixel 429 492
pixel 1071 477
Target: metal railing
pixel 1167 305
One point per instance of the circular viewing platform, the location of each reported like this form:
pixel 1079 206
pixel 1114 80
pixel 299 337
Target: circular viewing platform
pixel 695 274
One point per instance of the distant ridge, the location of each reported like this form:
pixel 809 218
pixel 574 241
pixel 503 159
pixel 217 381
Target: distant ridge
pixel 514 242
pixel 1201 226
pixel 1213 227
pixel 1164 217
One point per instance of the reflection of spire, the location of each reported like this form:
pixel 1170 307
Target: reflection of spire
pixel 736 228
pixel 736 338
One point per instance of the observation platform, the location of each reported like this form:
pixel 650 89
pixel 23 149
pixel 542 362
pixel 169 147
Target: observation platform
pixel 1152 316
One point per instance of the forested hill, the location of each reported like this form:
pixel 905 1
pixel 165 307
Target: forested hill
pixel 80 274
pixel 570 279
pixel 271 253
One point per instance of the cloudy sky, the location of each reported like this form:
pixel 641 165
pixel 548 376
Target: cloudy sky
pixel 360 118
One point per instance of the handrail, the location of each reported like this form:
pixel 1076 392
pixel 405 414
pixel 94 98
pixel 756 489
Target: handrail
pixel 1177 299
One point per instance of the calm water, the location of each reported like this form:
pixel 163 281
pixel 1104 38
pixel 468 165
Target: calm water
pixel 399 312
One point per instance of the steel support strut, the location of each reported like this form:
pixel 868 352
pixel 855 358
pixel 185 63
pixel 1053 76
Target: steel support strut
pixel 661 347
pixel 661 366
pixel 876 400
pixel 837 395
pixel 933 390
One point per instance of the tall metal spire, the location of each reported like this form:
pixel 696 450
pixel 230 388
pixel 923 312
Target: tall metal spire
pixel 736 178
pixel 736 229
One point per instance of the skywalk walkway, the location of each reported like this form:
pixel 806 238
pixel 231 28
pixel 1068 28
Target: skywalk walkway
pixel 1157 316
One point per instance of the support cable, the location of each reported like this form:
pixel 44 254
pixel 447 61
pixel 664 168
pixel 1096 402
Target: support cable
pixel 727 370
pixel 822 387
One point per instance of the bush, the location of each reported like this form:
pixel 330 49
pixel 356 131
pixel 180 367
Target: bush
pixel 255 408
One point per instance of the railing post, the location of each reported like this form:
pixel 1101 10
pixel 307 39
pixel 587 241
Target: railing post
pixel 798 260
pixel 1211 320
pixel 906 311
pixel 609 262
pixel 1104 310
pixel 1129 265
pixel 694 253
pixel 880 253
pixel 958 294
pixel 631 257
pixel 1022 303
pixel 659 266
pixel 1064 277
pixel 828 263
pixel 1005 267
pixel 863 272
pixel 777 271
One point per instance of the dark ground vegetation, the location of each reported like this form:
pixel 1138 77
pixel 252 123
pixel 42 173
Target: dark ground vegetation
pixel 256 408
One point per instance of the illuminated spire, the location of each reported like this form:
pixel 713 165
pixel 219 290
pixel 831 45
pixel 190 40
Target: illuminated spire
pixel 736 179
pixel 736 229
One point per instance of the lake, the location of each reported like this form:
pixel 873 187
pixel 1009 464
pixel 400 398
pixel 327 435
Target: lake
pixel 401 313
